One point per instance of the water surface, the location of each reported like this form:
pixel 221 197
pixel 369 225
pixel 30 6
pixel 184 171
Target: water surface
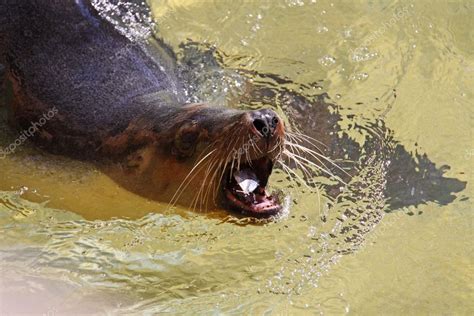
pixel 74 241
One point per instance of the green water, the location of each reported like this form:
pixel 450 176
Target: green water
pixel 62 251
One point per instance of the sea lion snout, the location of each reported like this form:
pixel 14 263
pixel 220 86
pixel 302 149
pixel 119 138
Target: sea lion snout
pixel 266 123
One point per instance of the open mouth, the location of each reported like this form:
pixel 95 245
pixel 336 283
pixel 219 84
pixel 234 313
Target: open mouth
pixel 245 189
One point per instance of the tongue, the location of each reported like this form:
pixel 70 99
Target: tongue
pixel 247 180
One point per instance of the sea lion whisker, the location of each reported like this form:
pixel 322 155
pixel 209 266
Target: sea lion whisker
pixel 213 173
pixel 176 196
pixel 296 158
pixel 289 170
pixel 279 144
pixel 254 144
pixel 309 139
pixel 236 131
pixel 210 173
pixel 247 158
pixel 197 196
pixel 301 180
pixel 255 147
pixel 212 179
pixel 300 148
pixel 308 174
pixel 308 150
pixel 303 167
pixel 316 155
pixel 231 168
pixel 213 183
pixel 231 136
pixel 284 169
pixel 236 157
pixel 189 181
pixel 299 140
pixel 291 139
pixel 293 156
pixel 228 160
pixel 241 142
pixel 210 164
pixel 293 176
pixel 310 163
pixel 238 161
pixel 214 188
pixel 204 151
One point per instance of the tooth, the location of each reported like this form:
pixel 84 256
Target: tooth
pixel 247 180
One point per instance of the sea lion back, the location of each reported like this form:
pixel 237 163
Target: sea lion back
pixel 61 54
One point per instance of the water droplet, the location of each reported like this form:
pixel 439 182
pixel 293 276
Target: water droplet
pixel 360 76
pixel 327 60
pixel 347 33
pixel 322 29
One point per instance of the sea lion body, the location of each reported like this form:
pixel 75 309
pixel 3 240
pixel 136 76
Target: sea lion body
pixel 118 100
pixel 61 55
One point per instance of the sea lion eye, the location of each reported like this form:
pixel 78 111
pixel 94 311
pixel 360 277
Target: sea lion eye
pixel 186 140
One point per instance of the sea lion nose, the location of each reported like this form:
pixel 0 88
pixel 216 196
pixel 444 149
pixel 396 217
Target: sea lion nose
pixel 265 122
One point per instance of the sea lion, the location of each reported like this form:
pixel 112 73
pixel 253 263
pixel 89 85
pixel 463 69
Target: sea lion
pixel 121 103
pixel 117 103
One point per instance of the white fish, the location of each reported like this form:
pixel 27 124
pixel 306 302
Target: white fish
pixel 247 180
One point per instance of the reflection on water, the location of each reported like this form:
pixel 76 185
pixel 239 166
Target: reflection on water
pixel 383 86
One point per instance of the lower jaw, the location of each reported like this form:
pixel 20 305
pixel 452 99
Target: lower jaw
pixel 263 209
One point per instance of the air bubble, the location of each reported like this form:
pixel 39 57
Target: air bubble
pixel 327 60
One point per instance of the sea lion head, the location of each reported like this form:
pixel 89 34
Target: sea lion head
pixel 235 152
pixel 203 156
